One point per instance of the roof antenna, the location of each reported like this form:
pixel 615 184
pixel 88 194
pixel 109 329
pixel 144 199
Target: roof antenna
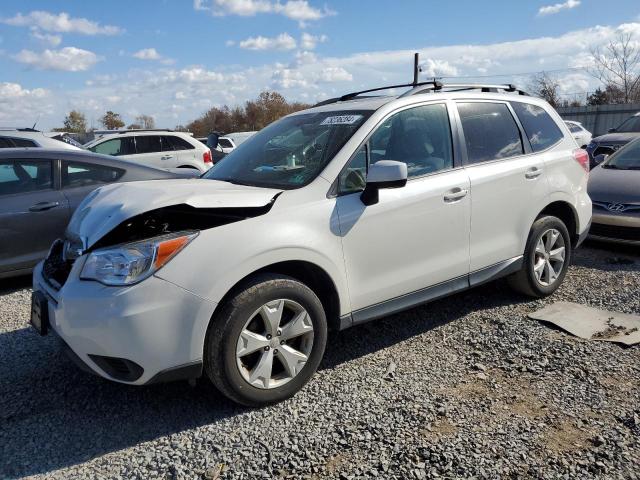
pixel 416 68
pixel 36 122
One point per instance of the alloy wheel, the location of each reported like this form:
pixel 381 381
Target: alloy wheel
pixel 549 257
pixel 274 344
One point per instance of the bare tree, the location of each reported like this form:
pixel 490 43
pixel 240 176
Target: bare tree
pixel 547 87
pixel 146 121
pixel 617 65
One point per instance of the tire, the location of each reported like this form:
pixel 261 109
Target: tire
pixel 526 280
pixel 244 314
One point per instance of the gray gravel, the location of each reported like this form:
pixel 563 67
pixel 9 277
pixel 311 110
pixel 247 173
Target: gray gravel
pixel 464 387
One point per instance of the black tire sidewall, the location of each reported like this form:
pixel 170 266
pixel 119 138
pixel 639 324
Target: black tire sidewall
pixel 281 288
pixel 539 227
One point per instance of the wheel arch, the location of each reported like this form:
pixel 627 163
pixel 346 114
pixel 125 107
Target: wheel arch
pixel 309 273
pixel 565 212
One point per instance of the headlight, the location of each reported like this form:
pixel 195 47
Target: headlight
pixel 133 262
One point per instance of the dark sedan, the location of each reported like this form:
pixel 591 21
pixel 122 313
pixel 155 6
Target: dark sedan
pixel 40 189
pixel 614 188
pixel 614 140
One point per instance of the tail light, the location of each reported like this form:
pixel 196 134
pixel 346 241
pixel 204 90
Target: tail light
pixel 206 156
pixel 582 157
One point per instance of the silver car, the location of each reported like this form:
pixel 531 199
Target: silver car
pixel 40 189
pixel 615 193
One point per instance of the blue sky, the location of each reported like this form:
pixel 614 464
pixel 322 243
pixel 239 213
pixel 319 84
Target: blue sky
pixel 175 59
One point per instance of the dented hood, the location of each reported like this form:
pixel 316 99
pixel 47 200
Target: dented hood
pixel 108 206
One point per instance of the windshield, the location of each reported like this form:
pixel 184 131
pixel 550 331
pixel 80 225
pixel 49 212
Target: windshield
pixel 627 158
pixel 630 125
pixel 291 152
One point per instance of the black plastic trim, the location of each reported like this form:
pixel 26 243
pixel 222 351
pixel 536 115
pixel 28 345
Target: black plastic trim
pixel 182 372
pixel 109 365
pixel 425 295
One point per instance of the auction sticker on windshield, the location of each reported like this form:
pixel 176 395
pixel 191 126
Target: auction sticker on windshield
pixel 341 120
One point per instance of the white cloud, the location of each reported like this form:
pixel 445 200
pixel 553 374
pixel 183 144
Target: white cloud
pixel 298 10
pixel 335 74
pixel 69 59
pixel 152 54
pixel 178 95
pixel 46 38
pixel 309 42
pixel 284 41
pixel 21 106
pixel 438 68
pixel 61 23
pixel 289 78
pixel 558 7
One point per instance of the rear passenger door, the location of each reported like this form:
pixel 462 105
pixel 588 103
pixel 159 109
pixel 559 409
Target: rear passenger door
pixel 33 214
pixel 184 151
pixel 149 152
pixel 508 182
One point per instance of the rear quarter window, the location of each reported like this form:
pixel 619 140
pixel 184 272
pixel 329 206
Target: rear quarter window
pixel 178 143
pixel 540 128
pixel 23 142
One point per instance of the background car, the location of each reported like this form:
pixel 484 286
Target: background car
pixel 581 134
pixel 40 189
pixel 231 141
pixel 28 137
pixel 613 188
pixel 155 148
pixel 614 140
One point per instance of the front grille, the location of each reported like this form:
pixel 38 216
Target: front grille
pixel 615 232
pixel 55 268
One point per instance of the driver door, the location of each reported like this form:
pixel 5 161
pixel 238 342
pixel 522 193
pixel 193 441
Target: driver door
pixel 415 237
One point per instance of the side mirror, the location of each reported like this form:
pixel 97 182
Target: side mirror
pixel 383 174
pixel 212 140
pixel 598 159
pixel 612 130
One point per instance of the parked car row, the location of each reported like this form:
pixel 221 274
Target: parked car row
pixel 609 143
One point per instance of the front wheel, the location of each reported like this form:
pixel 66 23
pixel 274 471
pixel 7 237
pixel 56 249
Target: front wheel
pixel 546 258
pixel 267 341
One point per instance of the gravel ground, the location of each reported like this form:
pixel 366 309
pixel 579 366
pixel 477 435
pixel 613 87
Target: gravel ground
pixel 464 387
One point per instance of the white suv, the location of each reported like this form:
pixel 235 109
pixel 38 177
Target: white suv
pixel 156 148
pixel 30 138
pixel 329 217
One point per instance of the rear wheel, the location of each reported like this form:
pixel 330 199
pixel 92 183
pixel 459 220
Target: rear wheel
pixel 267 341
pixel 546 258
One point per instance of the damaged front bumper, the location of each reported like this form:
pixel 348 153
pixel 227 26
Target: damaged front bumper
pixel 144 333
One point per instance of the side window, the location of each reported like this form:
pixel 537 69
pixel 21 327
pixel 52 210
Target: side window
pixel 178 143
pixel 419 137
pixel 77 174
pixel 5 143
pixel 540 128
pixel 490 131
pixel 167 145
pixel 115 147
pixel 148 144
pixel 574 128
pixel 225 143
pixel 22 176
pixel 23 142
pixel 353 178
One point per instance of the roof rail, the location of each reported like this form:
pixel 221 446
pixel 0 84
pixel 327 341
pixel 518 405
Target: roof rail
pixel 350 96
pixel 459 87
pixel 18 129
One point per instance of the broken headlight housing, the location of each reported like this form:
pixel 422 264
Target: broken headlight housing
pixel 131 263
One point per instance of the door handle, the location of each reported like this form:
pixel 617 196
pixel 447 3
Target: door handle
pixel 166 157
pixel 42 206
pixel 533 172
pixel 455 194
